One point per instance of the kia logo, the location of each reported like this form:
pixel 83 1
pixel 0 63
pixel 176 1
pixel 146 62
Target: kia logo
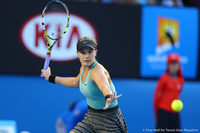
pixel 33 40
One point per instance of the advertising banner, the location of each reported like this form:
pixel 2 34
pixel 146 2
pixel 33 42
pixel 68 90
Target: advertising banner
pixel 167 30
pixel 24 47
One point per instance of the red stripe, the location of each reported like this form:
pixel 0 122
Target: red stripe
pixel 48 55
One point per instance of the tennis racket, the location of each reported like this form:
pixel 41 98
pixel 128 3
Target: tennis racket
pixel 55 22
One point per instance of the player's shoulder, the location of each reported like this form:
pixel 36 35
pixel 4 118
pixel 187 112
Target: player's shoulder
pixel 98 67
pixel 100 70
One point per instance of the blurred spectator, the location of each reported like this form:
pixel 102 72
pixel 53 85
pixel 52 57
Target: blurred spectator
pixel 129 1
pixel 171 3
pixel 152 2
pixel 68 119
pixel 147 2
pixel 94 1
pixel 168 89
pixel 111 1
pixel 141 2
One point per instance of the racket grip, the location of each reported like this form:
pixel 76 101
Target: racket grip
pixel 46 63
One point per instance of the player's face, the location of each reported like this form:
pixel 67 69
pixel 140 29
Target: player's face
pixel 87 56
pixel 173 67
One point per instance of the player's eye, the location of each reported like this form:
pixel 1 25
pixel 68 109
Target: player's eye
pixel 82 52
pixel 90 51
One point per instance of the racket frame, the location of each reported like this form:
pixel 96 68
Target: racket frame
pixel 48 55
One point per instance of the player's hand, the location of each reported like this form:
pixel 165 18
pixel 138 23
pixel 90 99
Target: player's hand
pixel 111 100
pixel 46 73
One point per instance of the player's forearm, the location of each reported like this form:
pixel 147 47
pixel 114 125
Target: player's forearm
pixel 67 81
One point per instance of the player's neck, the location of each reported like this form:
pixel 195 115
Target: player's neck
pixel 86 68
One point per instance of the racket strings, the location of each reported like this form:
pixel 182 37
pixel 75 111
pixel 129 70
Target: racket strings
pixel 56 19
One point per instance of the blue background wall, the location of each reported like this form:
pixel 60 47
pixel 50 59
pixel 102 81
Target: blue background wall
pixel 35 103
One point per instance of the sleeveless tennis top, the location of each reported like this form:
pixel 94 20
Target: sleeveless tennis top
pixel 93 94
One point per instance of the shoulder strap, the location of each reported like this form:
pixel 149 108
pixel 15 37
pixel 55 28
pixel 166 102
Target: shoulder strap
pixel 93 65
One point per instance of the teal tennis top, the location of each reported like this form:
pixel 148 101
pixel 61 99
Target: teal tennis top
pixel 93 94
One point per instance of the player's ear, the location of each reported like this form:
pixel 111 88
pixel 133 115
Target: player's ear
pixel 77 53
pixel 96 53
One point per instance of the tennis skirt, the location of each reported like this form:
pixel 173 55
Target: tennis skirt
pixel 102 121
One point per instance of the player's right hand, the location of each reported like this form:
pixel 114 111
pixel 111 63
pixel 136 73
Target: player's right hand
pixel 46 73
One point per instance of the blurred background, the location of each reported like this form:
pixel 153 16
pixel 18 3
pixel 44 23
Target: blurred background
pixel 133 47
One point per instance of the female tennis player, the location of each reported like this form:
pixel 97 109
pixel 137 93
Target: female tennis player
pixel 94 82
pixel 168 89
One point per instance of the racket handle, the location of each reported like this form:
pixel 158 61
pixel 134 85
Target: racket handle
pixel 46 63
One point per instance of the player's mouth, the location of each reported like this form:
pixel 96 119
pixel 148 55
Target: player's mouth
pixel 86 61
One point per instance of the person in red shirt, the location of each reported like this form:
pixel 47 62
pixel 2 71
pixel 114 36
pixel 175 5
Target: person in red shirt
pixel 168 88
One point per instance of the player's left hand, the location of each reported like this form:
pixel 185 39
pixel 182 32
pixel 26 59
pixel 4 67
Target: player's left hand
pixel 46 73
pixel 111 100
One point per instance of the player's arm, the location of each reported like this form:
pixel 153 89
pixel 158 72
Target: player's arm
pixel 72 82
pixel 101 79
